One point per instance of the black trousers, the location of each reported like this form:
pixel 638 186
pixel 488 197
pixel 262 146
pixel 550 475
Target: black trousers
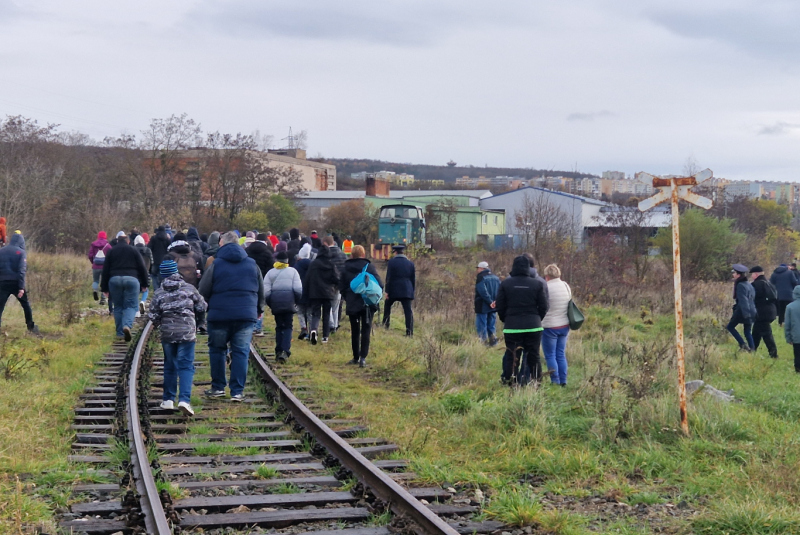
pixel 409 315
pixel 7 289
pixel 521 359
pixel 360 331
pixel 796 348
pixel 320 307
pixel 782 310
pixel 763 330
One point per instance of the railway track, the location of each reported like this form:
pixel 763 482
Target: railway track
pixel 270 463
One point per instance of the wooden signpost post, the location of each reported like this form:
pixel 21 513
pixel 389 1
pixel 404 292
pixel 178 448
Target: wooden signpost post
pixel 674 189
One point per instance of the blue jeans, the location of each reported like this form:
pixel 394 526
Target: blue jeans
pixel 178 366
pixel 747 327
pixel 485 324
pixel 283 332
pixel 238 334
pixel 96 274
pixel 123 292
pixel 145 293
pixel 554 345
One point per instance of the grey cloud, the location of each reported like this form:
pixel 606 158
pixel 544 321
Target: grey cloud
pixel 778 129
pixel 589 117
pixel 762 28
pixel 395 23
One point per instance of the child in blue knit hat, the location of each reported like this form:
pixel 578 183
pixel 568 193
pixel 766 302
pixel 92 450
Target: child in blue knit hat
pixel 173 309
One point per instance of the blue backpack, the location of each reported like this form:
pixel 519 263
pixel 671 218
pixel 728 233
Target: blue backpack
pixel 367 287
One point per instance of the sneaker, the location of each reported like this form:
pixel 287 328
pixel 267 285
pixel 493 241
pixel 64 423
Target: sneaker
pixel 168 405
pixel 211 393
pixel 324 339
pixel 258 333
pixel 280 357
pixel 185 408
pixel 141 307
pixel 138 314
pixel 202 330
pixel 102 301
pixel 303 335
pixel 238 398
pixel 313 337
pixel 95 295
pixel 34 330
pixel 126 332
pixel 352 362
pixel 362 363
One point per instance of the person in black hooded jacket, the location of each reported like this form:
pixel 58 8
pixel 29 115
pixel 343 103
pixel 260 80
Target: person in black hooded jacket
pixel 193 238
pixel 261 251
pixel 322 282
pixel 159 244
pixel 766 311
pixel 357 310
pixel 521 305
pixel 294 245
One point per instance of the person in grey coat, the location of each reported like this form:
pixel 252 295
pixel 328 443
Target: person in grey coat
pixel 744 308
pixel 784 279
pixel 792 327
pixel 283 289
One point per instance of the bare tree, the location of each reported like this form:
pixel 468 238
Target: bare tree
pixel 633 232
pixel 691 167
pixel 542 224
pixel 442 222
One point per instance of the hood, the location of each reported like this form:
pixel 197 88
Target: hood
pixel 172 283
pixel 534 273
pixel 100 235
pixel 181 248
pixel 781 269
pixel 232 253
pixel 100 242
pixel 796 293
pixel 521 266
pixel 146 237
pixel 305 251
pixel 324 252
pixel 294 233
pixel 213 239
pixel 281 247
pixel 177 244
pixel 192 235
pixel 2 220
pixel 17 241
pixel 139 240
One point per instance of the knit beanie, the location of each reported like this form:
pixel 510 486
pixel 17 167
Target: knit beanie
pixel 168 267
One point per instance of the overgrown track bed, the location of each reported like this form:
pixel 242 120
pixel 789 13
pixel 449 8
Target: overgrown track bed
pixel 267 463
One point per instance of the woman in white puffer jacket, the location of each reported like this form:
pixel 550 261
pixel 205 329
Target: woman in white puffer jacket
pixel 556 326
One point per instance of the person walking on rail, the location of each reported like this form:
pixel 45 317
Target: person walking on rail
pixel 124 277
pixel 766 297
pixel 486 286
pixel 97 256
pixel 282 291
pixel 303 309
pixel 13 267
pixel 521 306
pixel 147 258
pixel 556 325
pixel 234 291
pixel 359 312
pixel 261 251
pixel 744 308
pixel 322 284
pixel 159 244
pixel 173 310
pixel 401 282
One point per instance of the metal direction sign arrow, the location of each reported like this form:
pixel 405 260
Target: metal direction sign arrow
pixel 673 189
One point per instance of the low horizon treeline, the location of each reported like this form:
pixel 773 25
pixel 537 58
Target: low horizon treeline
pixel 61 188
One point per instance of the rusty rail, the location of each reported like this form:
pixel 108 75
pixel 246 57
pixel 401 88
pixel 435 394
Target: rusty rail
pixel 384 487
pixel 149 500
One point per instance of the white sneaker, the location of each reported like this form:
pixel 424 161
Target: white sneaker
pixel 138 314
pixel 185 408
pixel 168 405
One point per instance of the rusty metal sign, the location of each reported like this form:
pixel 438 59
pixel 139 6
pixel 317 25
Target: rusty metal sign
pixel 674 189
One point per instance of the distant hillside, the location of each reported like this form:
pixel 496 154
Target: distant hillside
pixel 345 166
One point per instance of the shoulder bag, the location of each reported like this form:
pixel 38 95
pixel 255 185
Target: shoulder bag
pixel 574 314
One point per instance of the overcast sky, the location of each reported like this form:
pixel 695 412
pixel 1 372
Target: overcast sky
pixel 587 85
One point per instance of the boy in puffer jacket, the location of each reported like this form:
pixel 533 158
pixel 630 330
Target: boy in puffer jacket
pixel 173 309
pixel 282 291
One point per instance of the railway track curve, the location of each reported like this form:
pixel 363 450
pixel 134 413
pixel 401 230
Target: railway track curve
pixel 270 463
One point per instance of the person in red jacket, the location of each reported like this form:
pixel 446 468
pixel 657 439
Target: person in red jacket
pixel 3 237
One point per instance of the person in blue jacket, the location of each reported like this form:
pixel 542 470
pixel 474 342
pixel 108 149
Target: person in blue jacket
pixel 234 291
pixel 13 267
pixel 744 308
pixel 401 282
pixel 486 286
